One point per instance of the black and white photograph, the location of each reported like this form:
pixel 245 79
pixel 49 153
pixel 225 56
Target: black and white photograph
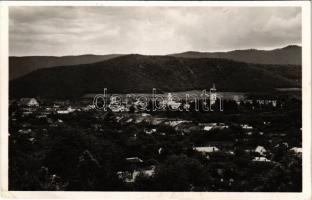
pixel 156 98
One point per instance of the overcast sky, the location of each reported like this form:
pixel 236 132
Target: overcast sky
pixel 149 30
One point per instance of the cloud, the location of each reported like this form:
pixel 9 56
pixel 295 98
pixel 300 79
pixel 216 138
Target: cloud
pixel 149 30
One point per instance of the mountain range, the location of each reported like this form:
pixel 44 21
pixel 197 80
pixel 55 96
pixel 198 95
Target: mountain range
pixel 139 73
pixel 20 66
pixel 288 55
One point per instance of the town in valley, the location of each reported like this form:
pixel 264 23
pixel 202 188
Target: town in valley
pixel 252 144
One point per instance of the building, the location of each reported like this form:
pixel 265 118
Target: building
pixel 170 102
pixel 296 150
pixel 205 150
pixel 261 159
pixel 130 177
pixel 30 102
pixel 211 126
pixel 246 127
pixel 150 131
pixel 67 111
pixel 116 104
pixel 261 150
pixel 213 95
pixel 134 160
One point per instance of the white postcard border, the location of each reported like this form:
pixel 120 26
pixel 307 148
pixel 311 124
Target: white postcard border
pixel 306 102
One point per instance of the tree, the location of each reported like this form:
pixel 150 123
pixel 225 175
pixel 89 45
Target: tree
pixel 181 173
pixel 131 109
pixel 88 168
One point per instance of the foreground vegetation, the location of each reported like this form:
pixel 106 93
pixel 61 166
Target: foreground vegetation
pixel 85 151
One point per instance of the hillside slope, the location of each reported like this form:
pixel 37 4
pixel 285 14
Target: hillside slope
pixel 19 66
pixel 137 73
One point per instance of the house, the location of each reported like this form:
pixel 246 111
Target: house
pixel 261 159
pixel 32 140
pixel 246 127
pixel 174 123
pixel 139 104
pixel 186 106
pixel 248 150
pixel 30 102
pixel 160 150
pixel 146 115
pixel 56 106
pixel 186 127
pixel 26 125
pixel 67 111
pixel 24 131
pixel 207 124
pixel 146 172
pixel 25 113
pixel 249 133
pixel 157 121
pixel 125 176
pixel 134 160
pixel 273 102
pixel 210 126
pixel 205 150
pixel 63 112
pixel 162 133
pixel 170 102
pixel 231 152
pixel 88 107
pixel 139 120
pixel 130 177
pixel 42 116
pixel 191 129
pixel 261 150
pixel 207 128
pixel 129 120
pixel 296 150
pixel 70 109
pixel 118 118
pixel 118 108
pixel 150 131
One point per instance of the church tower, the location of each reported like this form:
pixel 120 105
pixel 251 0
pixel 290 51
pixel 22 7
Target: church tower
pixel 213 95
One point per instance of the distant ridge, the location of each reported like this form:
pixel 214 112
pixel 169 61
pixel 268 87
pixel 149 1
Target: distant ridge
pixel 289 55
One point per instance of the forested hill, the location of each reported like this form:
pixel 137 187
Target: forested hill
pixel 137 73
